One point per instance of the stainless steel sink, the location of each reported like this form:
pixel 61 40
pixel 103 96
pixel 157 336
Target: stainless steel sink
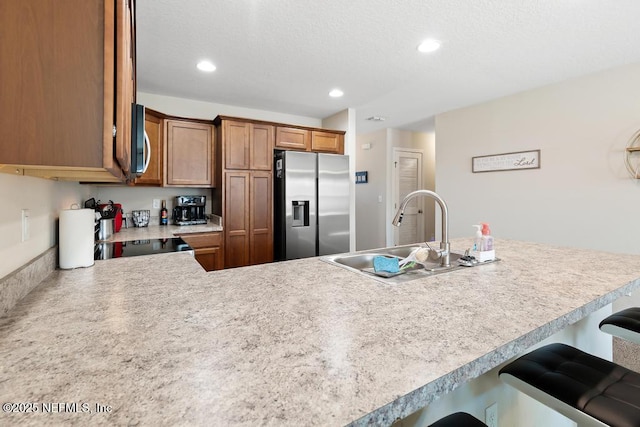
pixel 362 263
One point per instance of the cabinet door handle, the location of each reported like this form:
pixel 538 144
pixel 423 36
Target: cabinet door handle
pixel 147 145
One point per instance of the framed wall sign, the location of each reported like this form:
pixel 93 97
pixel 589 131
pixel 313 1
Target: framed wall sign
pixel 506 161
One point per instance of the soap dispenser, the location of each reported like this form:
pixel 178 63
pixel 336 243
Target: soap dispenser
pixel 477 242
pixel 487 239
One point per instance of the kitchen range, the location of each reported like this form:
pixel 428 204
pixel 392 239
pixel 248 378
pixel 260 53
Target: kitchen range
pixel 108 250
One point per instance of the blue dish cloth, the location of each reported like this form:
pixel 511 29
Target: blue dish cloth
pixel 383 263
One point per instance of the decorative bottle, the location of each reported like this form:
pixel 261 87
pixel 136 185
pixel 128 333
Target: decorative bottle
pixel 164 214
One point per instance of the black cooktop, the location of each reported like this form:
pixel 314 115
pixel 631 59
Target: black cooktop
pixel 108 250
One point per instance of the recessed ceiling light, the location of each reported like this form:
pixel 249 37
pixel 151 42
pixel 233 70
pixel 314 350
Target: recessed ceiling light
pixel 336 93
pixel 376 118
pixel 206 66
pixel 429 45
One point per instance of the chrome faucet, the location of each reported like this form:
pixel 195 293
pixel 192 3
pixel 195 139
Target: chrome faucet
pixel 443 253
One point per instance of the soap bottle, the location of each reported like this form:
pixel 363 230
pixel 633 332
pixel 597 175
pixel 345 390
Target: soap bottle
pixel 487 239
pixel 477 242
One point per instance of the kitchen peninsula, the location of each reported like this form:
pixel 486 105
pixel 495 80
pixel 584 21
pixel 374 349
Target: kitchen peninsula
pixel 161 342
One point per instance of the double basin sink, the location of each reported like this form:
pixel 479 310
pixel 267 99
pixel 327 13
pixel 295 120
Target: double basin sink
pixel 362 263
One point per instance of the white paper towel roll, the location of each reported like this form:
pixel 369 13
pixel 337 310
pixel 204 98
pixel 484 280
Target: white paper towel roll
pixel 76 238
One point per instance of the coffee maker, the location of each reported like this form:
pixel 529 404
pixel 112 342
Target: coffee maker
pixel 189 210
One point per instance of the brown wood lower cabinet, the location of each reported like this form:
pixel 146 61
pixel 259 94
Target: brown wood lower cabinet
pixel 261 218
pixel 207 248
pixel 248 218
pixel 236 219
pixel 210 258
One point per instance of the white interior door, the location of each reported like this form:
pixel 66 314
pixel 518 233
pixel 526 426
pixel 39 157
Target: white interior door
pixel 407 177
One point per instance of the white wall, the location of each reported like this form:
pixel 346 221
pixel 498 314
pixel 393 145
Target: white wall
pixel 208 111
pixel 44 199
pixel 370 213
pixel 581 196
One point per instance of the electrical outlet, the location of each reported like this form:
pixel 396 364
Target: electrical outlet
pixel 25 225
pixel 491 415
pixel 156 203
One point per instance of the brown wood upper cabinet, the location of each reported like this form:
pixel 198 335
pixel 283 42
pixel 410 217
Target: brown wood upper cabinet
pixel 247 145
pixel 327 142
pixel 189 156
pixel 66 67
pixel 290 138
pixel 154 126
pixel 125 83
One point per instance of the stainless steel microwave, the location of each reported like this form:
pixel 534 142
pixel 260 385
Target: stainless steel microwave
pixel 140 146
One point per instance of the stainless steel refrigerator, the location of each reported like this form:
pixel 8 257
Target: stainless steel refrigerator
pixel 311 204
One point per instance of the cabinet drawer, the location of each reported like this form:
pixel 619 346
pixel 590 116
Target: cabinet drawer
pixel 203 240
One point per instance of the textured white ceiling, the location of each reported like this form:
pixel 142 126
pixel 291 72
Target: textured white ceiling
pixel 285 55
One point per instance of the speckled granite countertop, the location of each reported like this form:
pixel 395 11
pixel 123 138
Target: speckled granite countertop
pixel 161 232
pixel 297 343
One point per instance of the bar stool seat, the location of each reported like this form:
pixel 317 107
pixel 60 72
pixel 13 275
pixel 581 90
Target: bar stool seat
pixel 624 324
pixel 458 419
pixel 589 390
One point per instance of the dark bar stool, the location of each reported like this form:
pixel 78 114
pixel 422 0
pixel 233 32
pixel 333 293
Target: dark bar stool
pixel 624 324
pixel 589 390
pixel 458 419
